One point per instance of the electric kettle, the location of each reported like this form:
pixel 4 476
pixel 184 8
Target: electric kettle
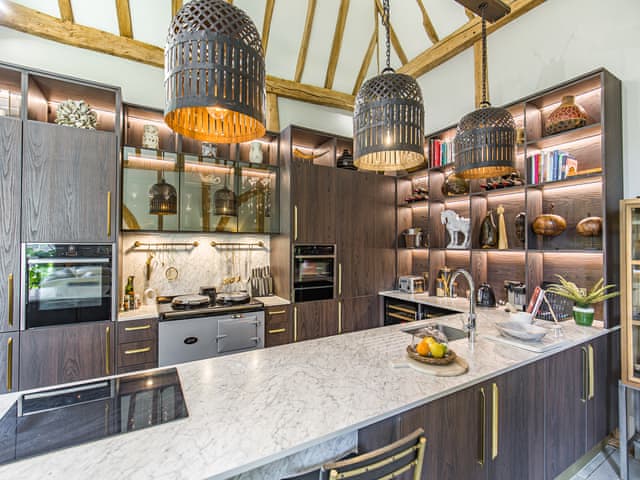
pixel 485 296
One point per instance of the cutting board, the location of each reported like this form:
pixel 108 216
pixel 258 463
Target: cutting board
pixel 458 367
pixel 547 343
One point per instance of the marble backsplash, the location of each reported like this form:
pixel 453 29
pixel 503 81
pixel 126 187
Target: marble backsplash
pixel 203 265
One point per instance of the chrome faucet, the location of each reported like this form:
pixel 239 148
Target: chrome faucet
pixel 470 326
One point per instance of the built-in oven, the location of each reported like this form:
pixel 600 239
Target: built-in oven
pixel 313 272
pixel 66 283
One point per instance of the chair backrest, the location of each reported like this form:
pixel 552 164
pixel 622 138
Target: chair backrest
pixel 384 463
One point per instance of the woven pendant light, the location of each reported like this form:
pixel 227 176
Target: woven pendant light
pixel 214 74
pixel 485 142
pixel 388 121
pixel 163 199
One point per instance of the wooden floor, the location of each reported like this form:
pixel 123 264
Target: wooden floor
pixel 606 466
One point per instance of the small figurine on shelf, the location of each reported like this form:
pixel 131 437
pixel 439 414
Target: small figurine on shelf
pixel 209 149
pixel 150 137
pixel 488 232
pixel 521 222
pixel 503 242
pixel 456 226
pixel 255 152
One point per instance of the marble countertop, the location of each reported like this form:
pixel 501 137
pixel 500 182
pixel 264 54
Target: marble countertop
pixel 273 301
pixel 457 304
pixel 142 313
pixel 250 409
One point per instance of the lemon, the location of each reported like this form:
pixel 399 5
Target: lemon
pixel 437 350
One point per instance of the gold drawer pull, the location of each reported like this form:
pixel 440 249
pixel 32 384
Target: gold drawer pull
pixel 137 350
pixel 10 364
pixel 592 386
pixel 339 318
pixel 495 422
pixel 135 329
pixel 108 214
pixel 107 349
pixel 10 300
pixel 278 312
pixel 295 223
pixel 278 330
pixel 483 426
pixel 295 324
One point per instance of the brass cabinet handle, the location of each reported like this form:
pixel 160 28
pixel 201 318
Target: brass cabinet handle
pixel 277 330
pixel 135 329
pixel 295 324
pixel 107 351
pixel 277 312
pixel 585 374
pixel 109 214
pixel 10 364
pixel 591 391
pixel 401 317
pixel 137 350
pixel 295 222
pixel 403 309
pixel 10 299
pixel 339 279
pixel 483 425
pixel 339 318
pixel 495 421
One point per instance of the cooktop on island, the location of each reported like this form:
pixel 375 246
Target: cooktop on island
pixel 43 421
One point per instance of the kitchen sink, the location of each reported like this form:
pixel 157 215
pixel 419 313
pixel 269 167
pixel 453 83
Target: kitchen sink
pixel 451 333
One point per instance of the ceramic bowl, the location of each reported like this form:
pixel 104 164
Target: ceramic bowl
pixel 522 317
pixel 521 331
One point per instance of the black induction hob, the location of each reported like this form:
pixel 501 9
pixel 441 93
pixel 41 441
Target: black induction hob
pixel 48 420
pixel 166 311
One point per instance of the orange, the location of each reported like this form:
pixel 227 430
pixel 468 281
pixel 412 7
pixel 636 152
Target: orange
pixel 423 348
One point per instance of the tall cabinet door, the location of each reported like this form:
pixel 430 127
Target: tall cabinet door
pixel 385 233
pixel 313 203
pixel 315 320
pixel 359 313
pixel 10 195
pixel 68 184
pixel 355 217
pixel 9 355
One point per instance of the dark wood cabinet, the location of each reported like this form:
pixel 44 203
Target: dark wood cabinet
pixel 137 345
pixel 10 197
pixel 313 190
pixel 359 313
pixel 9 356
pixel 384 255
pixel 278 329
pixel 54 355
pixel 68 184
pixel 315 320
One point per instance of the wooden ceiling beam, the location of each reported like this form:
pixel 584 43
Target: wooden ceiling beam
pixel 273 113
pixel 175 6
pixel 366 61
pixel 428 24
pixel 469 13
pixel 462 39
pixel 395 41
pixel 304 43
pixel 124 18
pixel 33 22
pixel 266 24
pixel 338 34
pixel 66 10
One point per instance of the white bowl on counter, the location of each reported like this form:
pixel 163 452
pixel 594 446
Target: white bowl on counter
pixel 521 331
pixel 522 317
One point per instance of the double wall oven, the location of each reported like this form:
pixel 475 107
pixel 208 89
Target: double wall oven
pixel 313 272
pixel 66 283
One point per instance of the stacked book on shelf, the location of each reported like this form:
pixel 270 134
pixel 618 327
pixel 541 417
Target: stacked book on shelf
pixel 440 153
pixel 551 166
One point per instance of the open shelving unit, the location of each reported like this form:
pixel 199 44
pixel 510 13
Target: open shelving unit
pixel 594 190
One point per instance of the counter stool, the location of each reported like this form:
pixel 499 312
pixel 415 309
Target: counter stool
pixel 384 463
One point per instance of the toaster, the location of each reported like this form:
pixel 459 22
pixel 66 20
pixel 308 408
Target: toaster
pixel 411 284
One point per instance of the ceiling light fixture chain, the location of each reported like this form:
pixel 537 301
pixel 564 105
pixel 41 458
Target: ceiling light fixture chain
pixel 485 102
pixel 387 25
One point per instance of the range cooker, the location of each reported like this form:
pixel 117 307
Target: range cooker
pixel 188 333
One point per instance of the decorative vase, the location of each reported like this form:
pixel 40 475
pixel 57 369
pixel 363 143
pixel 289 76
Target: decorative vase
pixel 589 227
pixel 583 316
pixel 346 160
pixel 549 224
pixel 150 137
pixel 209 149
pixel 455 185
pixel 488 232
pixel 567 116
pixel 255 152
pixel 76 113
pixel 521 222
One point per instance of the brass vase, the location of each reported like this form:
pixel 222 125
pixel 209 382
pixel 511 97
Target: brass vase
pixel 567 116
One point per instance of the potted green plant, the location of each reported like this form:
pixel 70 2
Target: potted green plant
pixel 584 299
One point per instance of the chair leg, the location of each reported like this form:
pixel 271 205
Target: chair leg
pixel 420 459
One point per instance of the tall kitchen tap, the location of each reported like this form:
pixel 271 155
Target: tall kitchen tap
pixel 470 326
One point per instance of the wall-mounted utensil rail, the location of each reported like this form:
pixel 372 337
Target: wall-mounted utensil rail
pixel 165 245
pixel 259 244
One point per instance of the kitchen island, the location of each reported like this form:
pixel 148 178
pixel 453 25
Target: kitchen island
pixel 249 410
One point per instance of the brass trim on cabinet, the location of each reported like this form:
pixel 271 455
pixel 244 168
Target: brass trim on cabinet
pixel 339 279
pixel 278 312
pixel 135 329
pixel 10 364
pixel 339 318
pixel 585 375
pixel 401 317
pixel 402 309
pixel 10 300
pixel 495 421
pixel 295 223
pixel 107 356
pixel 137 350
pixel 483 426
pixel 591 391
pixel 277 330
pixel 295 324
pixel 109 214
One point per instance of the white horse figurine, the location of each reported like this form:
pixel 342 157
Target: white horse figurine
pixel 455 225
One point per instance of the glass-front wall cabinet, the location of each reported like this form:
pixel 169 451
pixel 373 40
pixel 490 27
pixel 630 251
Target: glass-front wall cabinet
pixel 211 194
pixel 630 287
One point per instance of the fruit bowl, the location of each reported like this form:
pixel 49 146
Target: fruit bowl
pixel 447 359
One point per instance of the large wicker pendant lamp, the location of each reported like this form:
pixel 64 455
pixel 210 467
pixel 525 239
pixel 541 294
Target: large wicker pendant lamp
pixel 388 122
pixel 214 74
pixel 485 142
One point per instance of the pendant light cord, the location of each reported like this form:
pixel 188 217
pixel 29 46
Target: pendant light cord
pixel 485 102
pixel 387 25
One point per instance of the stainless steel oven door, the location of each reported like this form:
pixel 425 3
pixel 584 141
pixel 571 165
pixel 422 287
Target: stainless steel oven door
pixel 240 332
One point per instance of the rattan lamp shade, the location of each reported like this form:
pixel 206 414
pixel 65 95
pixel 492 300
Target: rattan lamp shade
pixel 163 199
pixel 388 123
pixel 214 74
pixel 485 143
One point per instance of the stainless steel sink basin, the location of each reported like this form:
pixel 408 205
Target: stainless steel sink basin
pixel 451 333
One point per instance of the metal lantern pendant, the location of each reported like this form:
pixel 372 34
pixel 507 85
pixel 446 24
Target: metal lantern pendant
pixel 214 74
pixel 225 201
pixel 163 199
pixel 485 142
pixel 388 122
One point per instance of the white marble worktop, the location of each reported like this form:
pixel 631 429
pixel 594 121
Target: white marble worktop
pixel 273 301
pixel 457 304
pixel 142 313
pixel 250 409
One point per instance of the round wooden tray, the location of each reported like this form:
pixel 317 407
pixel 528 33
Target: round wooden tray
pixel 448 358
